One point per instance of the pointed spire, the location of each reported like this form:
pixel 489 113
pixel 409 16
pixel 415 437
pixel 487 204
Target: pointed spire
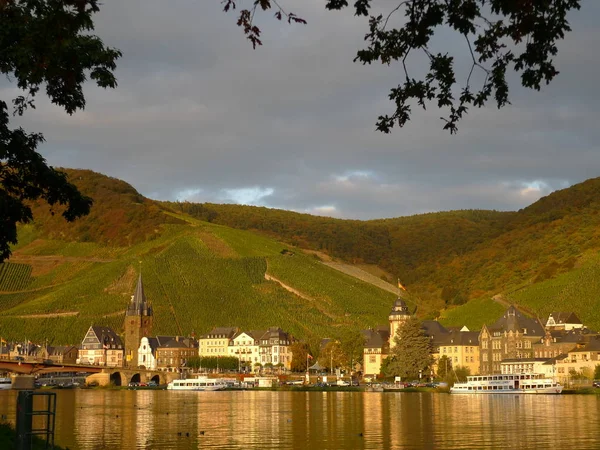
pixel 138 304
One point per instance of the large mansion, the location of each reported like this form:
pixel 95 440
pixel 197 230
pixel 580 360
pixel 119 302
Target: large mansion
pixel 514 343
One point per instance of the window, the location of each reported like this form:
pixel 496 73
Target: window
pixel 372 359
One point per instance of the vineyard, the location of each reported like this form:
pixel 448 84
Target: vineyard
pixel 200 274
pixel 577 291
pixel 14 277
pixel 193 288
pixel 473 314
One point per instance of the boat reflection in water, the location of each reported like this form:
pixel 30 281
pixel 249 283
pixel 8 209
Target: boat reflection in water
pixel 254 419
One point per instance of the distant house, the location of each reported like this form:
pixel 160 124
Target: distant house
pixel 216 342
pixel 582 359
pixel 101 346
pixel 274 348
pixel 147 353
pixel 545 366
pixel 245 346
pixel 560 341
pixel 510 337
pixel 375 350
pixel 60 354
pixel 563 321
pixel 460 347
pixel 173 352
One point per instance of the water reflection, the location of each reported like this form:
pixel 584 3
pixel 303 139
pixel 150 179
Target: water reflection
pixel 102 419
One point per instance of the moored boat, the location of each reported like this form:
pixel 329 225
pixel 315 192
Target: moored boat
pixel 197 384
pixel 523 383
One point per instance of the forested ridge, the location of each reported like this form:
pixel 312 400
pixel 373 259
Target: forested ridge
pixel 445 258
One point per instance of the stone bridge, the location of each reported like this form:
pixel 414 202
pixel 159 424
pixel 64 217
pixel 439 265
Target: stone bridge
pixel 120 376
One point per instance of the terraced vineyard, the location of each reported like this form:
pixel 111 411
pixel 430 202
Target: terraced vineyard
pixel 14 277
pixel 197 277
pixel 473 314
pixel 577 290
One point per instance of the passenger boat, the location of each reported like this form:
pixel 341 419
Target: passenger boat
pixel 522 383
pixel 197 384
pixel 5 383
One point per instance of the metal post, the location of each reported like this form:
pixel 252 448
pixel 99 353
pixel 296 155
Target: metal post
pixel 24 420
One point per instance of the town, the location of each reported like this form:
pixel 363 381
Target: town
pixel 562 348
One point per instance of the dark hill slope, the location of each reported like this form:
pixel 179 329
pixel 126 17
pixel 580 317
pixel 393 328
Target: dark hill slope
pixel 120 215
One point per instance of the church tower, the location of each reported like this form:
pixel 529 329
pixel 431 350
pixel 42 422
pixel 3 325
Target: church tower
pixel 398 316
pixel 138 323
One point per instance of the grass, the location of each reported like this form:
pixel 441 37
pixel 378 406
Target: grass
pixel 473 314
pixel 577 290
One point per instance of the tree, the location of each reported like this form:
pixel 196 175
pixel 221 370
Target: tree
pixel 332 356
pixel 411 354
pixel 195 362
pixel 444 367
pixel 352 343
pixel 597 372
pixel 461 373
pixel 498 36
pixel 300 350
pixel 44 43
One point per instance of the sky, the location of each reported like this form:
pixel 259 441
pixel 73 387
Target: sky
pixel 200 116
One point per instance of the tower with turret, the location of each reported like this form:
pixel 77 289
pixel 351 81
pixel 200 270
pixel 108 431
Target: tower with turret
pixel 138 323
pixel 398 316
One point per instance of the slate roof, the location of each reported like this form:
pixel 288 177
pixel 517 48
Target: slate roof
pixel 256 334
pixel 179 342
pixel 139 306
pixel 565 317
pixel 591 345
pixel 514 321
pixel 435 330
pixel 399 308
pixel 377 338
pixel 107 336
pixel 460 338
pixel 220 332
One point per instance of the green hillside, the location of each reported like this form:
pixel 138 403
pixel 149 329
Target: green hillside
pixel 207 265
pixel 197 276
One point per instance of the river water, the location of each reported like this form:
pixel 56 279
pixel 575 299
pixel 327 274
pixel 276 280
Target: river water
pixel 100 419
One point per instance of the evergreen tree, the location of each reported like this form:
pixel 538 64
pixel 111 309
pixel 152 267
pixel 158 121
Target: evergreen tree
pixel 411 354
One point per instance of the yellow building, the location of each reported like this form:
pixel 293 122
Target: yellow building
pixel 216 342
pixel 461 348
pixel 375 350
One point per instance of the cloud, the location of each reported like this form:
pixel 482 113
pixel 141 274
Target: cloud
pixel 199 115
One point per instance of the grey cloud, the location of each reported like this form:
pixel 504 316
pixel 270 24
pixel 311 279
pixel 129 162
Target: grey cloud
pixel 198 111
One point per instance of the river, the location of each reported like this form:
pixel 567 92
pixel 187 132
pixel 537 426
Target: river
pixel 145 419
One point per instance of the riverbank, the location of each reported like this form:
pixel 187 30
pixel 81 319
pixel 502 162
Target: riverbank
pixel 8 439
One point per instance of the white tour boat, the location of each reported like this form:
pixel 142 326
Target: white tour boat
pixel 197 384
pixel 5 383
pixel 522 383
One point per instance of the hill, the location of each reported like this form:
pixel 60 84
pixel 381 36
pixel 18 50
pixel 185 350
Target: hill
pixel 206 265
pixel 446 258
pixel 64 277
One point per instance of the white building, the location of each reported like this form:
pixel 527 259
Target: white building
pixel 147 353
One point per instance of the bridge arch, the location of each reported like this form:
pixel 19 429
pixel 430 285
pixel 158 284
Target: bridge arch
pixel 156 379
pixel 116 379
pixel 136 378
